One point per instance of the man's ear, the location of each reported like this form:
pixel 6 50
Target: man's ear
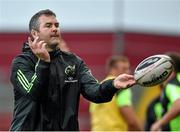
pixel 34 33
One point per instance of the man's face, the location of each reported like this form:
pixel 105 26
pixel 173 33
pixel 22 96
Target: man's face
pixel 49 31
pixel 122 67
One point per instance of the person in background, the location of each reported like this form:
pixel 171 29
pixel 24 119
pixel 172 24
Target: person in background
pixel 170 100
pixel 155 108
pixel 117 115
pixel 154 111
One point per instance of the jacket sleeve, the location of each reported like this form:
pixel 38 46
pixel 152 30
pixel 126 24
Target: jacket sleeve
pixel 29 79
pixel 92 90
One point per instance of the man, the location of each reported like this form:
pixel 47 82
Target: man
pixel 48 82
pixel 170 100
pixel 117 115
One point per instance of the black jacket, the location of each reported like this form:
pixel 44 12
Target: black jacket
pixel 47 94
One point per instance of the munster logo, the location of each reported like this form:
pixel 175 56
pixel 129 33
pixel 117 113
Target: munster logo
pixel 70 70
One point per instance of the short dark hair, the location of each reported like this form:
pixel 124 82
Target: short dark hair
pixel 175 56
pixel 113 60
pixel 34 22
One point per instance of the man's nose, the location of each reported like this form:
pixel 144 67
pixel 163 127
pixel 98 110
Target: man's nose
pixel 54 28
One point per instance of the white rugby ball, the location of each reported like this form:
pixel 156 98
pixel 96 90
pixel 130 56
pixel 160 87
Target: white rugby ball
pixel 153 70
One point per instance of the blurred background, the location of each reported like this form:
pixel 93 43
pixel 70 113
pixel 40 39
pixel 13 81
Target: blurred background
pixel 94 30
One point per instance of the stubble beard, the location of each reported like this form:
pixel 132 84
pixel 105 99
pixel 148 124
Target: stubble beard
pixel 52 45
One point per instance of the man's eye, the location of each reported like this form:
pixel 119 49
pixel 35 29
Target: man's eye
pixel 48 25
pixel 57 25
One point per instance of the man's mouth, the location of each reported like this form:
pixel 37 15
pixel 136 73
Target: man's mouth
pixel 54 35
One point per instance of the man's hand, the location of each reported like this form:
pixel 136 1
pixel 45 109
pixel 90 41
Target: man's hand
pixel 156 126
pixel 39 49
pixel 124 81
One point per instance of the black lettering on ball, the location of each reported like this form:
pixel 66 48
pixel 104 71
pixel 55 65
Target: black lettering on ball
pixel 156 79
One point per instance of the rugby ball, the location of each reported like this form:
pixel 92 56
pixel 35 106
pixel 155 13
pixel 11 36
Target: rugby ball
pixel 153 70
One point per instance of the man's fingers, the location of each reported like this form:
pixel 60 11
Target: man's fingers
pixel 126 77
pixel 29 40
pixel 36 40
pixel 33 44
pixel 129 76
pixel 43 49
pixel 44 46
pixel 38 47
pixel 131 83
pixel 124 81
pixel 30 43
pixel 40 44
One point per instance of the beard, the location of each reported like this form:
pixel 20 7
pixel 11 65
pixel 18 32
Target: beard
pixel 53 45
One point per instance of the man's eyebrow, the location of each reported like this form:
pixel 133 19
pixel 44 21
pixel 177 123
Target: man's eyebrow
pixel 52 23
pixel 48 23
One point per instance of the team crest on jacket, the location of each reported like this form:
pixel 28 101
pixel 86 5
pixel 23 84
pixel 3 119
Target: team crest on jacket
pixel 70 72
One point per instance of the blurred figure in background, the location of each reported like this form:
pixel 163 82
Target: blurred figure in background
pixel 155 108
pixel 170 99
pixel 63 46
pixel 154 111
pixel 117 115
